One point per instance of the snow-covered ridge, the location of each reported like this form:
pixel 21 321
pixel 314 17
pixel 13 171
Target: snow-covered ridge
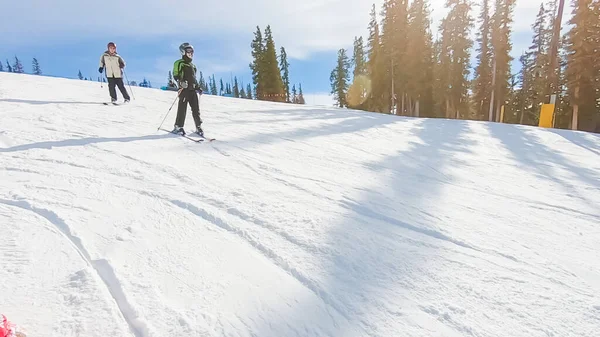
pixel 296 221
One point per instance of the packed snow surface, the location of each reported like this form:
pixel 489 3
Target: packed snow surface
pixel 297 221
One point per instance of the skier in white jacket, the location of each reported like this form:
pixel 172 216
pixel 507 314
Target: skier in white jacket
pixel 114 64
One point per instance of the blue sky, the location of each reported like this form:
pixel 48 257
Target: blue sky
pixel 69 35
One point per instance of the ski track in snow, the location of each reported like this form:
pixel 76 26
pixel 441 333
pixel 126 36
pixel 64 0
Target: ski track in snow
pixel 251 219
pixel 267 252
pixel 102 267
pixel 264 170
pixel 428 232
pixel 369 213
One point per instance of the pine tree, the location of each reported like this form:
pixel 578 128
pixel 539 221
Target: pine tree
pixel 511 110
pixel 357 93
pixel 537 63
pixel 249 91
pixel 18 66
pixel 440 79
pixel 375 67
pixel 202 82
pixel 213 86
pixel 359 60
pixel 284 65
pixel 236 88
pixel 37 70
pixel 294 95
pixel 563 107
pixel 501 32
pixel 170 79
pixel 418 62
pixel 222 88
pixel 596 69
pixel 9 67
pixel 339 78
pixel 394 48
pixel 524 99
pixel 273 83
pixel 582 67
pixel 80 75
pixel 454 58
pixel 1 67
pixel 257 65
pixel 243 92
pixel 300 95
pixel 553 71
pixel 482 84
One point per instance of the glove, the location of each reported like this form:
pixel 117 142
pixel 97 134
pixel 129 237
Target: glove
pixel 183 84
pixel 200 91
pixel 100 70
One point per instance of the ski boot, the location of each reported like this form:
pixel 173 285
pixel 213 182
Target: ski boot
pixel 178 130
pixel 199 131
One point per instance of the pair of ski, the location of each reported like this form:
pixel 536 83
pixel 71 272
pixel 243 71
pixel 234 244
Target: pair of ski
pixel 197 138
pixel 114 103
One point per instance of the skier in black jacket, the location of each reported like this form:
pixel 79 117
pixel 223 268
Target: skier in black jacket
pixel 184 72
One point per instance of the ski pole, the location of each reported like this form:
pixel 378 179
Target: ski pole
pixel 126 79
pixel 178 93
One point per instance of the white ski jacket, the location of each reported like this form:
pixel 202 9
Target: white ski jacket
pixel 113 63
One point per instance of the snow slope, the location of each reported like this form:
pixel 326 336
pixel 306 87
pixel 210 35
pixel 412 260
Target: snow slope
pixel 297 221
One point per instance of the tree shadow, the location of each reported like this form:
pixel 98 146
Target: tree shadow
pixel 344 122
pixel 286 120
pixel 526 147
pixel 268 117
pixel 35 102
pixel 316 113
pixel 385 247
pixel 588 141
pixel 79 142
pixel 406 238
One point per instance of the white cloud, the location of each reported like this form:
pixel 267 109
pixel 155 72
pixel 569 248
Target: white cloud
pixel 303 27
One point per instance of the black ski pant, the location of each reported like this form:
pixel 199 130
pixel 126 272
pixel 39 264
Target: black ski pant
pixel 188 97
pixel 112 82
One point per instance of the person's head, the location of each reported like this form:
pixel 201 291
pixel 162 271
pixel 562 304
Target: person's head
pixel 187 50
pixel 112 47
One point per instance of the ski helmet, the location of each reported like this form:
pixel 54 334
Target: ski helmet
pixel 184 47
pixel 111 44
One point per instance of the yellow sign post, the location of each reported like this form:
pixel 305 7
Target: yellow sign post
pixel 546 116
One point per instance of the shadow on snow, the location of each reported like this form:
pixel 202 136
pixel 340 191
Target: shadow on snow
pixel 35 102
pixel 80 142
pixel 527 148
pixel 386 243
